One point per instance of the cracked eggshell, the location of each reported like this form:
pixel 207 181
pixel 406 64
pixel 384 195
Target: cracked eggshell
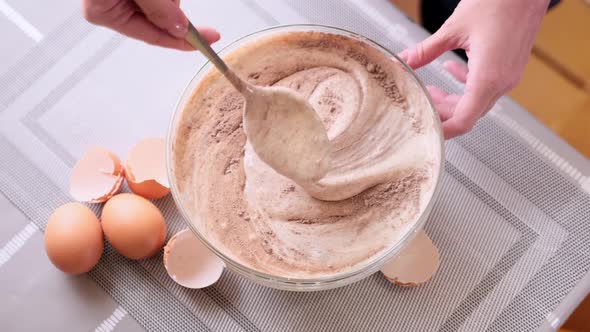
pixel 97 176
pixel 415 264
pixel 190 263
pixel 146 168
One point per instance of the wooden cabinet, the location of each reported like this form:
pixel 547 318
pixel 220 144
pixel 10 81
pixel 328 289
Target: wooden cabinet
pixel 556 83
pixel 564 40
pixel 552 98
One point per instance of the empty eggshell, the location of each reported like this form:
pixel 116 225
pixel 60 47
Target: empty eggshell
pixel 190 263
pixel 97 176
pixel 146 168
pixel 415 264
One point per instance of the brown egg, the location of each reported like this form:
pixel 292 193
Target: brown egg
pixel 133 225
pixel 73 238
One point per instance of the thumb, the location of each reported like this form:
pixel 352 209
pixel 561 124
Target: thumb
pixel 429 49
pixel 166 15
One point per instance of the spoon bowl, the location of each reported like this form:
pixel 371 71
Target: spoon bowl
pixel 286 133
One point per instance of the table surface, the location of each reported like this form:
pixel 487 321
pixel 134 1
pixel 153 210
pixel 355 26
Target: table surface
pixel 517 259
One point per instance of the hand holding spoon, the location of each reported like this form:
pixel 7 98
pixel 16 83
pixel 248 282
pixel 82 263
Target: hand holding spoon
pixel 282 127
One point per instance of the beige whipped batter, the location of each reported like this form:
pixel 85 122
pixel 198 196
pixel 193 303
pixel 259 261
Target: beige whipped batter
pixel 384 158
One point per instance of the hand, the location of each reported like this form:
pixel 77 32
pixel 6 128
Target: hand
pixel 498 36
pixel 157 22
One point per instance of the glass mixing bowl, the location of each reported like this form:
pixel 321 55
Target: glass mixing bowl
pixel 360 271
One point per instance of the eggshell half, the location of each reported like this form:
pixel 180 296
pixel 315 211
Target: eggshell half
pixel 146 168
pixel 97 176
pixel 415 264
pixel 190 263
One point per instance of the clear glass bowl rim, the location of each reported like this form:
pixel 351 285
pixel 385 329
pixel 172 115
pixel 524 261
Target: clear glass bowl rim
pixel 297 284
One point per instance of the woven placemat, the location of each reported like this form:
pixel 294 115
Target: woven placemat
pixel 512 222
